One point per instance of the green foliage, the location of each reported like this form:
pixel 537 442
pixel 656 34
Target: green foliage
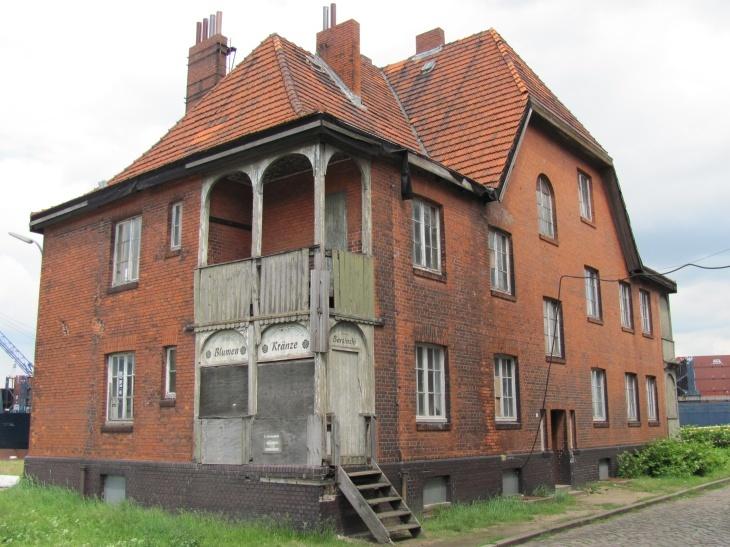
pixel 542 491
pixel 42 515
pixel 671 458
pixel 462 517
pixel 718 436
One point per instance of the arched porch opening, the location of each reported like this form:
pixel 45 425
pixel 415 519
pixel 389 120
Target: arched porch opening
pixel 230 219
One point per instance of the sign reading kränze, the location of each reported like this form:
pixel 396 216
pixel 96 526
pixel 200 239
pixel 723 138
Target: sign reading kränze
pixel 287 341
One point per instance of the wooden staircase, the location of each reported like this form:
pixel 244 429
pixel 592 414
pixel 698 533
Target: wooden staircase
pixel 379 505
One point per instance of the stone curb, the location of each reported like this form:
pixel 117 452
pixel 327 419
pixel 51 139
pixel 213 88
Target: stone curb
pixel 577 523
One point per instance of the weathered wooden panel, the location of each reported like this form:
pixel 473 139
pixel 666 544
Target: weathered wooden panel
pixel 284 283
pixel 353 283
pixel 224 292
pixel 319 311
pixel 223 391
pixel 223 441
pixel 335 221
pixel 345 403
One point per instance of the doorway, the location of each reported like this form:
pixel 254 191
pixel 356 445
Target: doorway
pixel 559 444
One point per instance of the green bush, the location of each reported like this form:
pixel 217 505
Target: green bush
pixel 718 436
pixel 671 458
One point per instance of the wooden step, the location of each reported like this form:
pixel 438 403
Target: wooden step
pixel 392 514
pixel 386 499
pixel 407 527
pixel 373 486
pixel 368 473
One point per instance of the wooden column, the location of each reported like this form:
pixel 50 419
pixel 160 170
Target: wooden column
pixel 257 189
pixel 319 168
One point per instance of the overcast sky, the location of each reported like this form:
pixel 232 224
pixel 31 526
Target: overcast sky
pixel 88 87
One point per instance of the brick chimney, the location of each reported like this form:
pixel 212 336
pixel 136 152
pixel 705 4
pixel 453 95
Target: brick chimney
pixel 339 46
pixel 429 40
pixel 206 59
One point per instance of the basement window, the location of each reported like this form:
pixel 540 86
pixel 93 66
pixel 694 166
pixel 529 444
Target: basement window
pixel 436 491
pixel 511 482
pixel 115 489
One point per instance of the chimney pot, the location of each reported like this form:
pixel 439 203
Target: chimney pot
pixel 430 40
pixel 206 59
pixel 333 14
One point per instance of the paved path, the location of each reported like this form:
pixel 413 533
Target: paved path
pixel 700 520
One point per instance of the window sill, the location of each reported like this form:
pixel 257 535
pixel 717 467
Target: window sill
pixel 121 427
pixel 172 253
pixel 654 423
pixel 429 274
pixel 167 402
pixel 551 240
pixel 627 329
pixel 600 424
pixel 433 426
pixel 555 360
pixel 634 424
pixel 504 295
pixel 647 335
pixel 507 425
pixel 595 321
pixel 588 221
pixel 121 288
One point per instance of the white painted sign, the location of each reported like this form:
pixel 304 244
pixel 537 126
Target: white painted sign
pixel 225 347
pixel 287 341
pixel 272 443
pixel 344 336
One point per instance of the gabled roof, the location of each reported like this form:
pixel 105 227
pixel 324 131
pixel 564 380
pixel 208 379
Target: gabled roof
pixel 466 100
pixel 276 83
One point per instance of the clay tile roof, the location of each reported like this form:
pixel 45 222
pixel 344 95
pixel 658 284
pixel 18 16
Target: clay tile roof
pixel 467 108
pixel 464 112
pixel 276 83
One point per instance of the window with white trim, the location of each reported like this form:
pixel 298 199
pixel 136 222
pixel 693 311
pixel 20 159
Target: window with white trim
pixel 126 250
pixel 645 311
pixel 500 254
pixel 426 235
pixel 585 193
pixel 430 384
pixel 505 388
pixel 545 207
pixel 651 399
pixel 170 371
pixel 120 392
pixel 553 327
pixel 625 305
pixel 632 398
pixel 176 225
pixel 598 394
pixel 593 293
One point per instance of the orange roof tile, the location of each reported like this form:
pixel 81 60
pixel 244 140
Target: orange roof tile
pixel 464 113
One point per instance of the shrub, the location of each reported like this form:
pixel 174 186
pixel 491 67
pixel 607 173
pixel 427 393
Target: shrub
pixel 671 458
pixel 718 436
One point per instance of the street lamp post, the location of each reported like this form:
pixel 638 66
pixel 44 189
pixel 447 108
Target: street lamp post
pixel 27 240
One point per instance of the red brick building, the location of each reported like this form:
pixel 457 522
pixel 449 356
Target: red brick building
pixel 325 267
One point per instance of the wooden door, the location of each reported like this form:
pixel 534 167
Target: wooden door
pixel 561 451
pixel 346 403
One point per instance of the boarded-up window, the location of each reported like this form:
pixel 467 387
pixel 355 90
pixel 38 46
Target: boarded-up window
pixel 224 391
pixel 436 490
pixel 286 389
pixel 510 482
pixel 335 221
pixel 115 488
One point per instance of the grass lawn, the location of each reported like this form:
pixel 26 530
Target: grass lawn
pixel 35 515
pixel 482 514
pixel 667 485
pixel 11 467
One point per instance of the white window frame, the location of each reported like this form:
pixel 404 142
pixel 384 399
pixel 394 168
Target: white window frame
pixel 505 388
pixel 426 235
pixel 500 260
pixel 585 196
pixel 127 244
pixel 593 293
pixel 651 399
pixel 626 305
pixel 545 208
pixel 120 387
pixel 170 369
pixel 553 327
pixel 632 397
pixel 645 298
pixel 598 395
pixel 430 383
pixel 176 225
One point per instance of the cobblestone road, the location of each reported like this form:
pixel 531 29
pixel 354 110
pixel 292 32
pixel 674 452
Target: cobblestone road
pixel 700 520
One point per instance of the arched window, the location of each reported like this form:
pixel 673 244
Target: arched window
pixel 545 208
